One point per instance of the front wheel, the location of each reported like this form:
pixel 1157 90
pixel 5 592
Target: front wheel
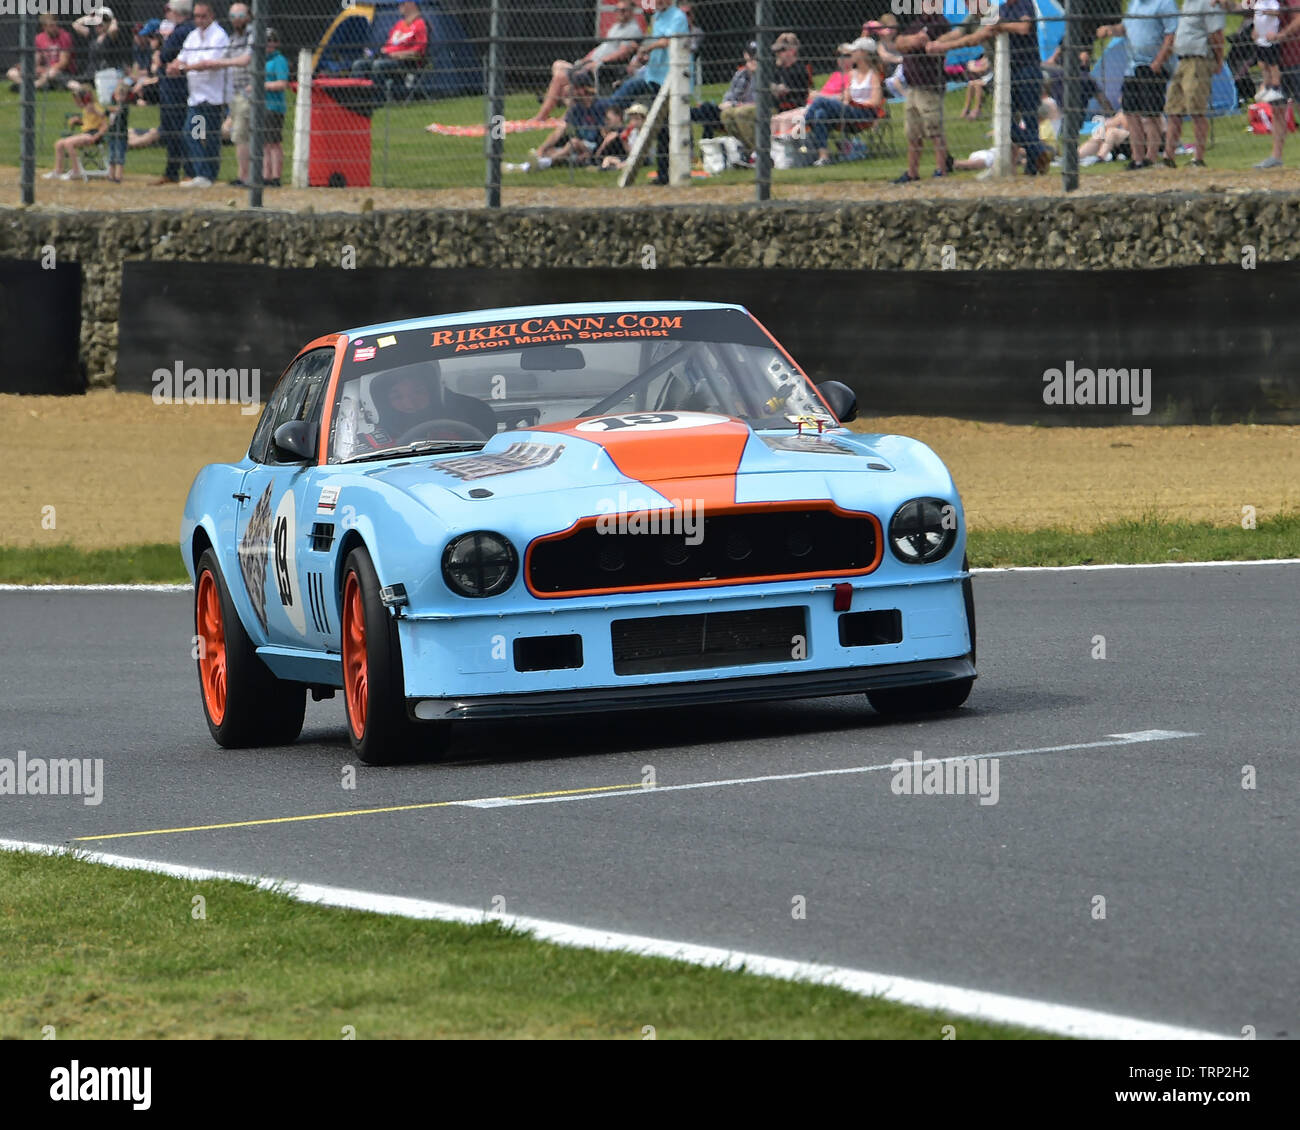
pixel 926 699
pixel 243 702
pixel 374 687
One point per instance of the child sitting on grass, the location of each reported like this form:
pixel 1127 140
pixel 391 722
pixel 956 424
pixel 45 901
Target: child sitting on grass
pixel 91 123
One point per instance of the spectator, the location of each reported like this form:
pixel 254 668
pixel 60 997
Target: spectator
pixel 53 57
pixel 792 123
pixel 1288 38
pixel 579 135
pixel 1149 27
pixel 792 80
pixel 406 49
pixel 236 63
pixel 118 133
pixel 861 99
pixel 619 46
pixel 108 51
pixel 740 92
pixel 1241 56
pixel 669 22
pixel 633 124
pixel 978 78
pixel 885 32
pixel 696 43
pixel 143 49
pixel 923 74
pixel 1198 43
pixel 1089 87
pixel 1267 24
pixel 173 91
pixel 1109 139
pixel 612 139
pixel 277 82
pixel 90 123
pixel 200 60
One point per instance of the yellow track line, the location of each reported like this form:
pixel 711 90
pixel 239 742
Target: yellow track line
pixel 355 812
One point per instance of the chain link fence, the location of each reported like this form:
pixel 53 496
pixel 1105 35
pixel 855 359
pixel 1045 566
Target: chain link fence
pixel 499 94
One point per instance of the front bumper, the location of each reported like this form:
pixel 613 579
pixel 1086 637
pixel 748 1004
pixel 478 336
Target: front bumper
pixel 462 666
pixel 804 684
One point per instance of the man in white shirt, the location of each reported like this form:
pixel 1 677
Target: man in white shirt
pixel 618 46
pixel 199 60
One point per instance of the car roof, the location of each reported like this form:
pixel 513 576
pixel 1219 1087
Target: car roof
pixel 510 312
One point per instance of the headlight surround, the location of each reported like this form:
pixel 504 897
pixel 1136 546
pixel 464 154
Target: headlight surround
pixel 917 532
pixel 479 564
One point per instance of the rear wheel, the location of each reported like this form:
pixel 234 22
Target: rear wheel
pixel 927 699
pixel 374 686
pixel 244 704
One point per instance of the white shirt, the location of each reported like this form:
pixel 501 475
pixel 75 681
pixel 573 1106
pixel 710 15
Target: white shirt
pixel 618 36
pixel 1266 21
pixel 206 86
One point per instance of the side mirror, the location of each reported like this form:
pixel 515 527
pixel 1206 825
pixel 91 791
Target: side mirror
pixel 296 442
pixel 842 399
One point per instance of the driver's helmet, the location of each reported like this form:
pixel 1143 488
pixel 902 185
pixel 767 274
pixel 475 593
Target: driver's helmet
pixel 407 397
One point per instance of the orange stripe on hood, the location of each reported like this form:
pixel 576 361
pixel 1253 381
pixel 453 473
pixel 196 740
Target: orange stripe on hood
pixel 699 461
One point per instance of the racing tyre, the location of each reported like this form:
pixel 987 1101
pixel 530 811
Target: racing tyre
pixel 243 702
pixel 926 699
pixel 374 690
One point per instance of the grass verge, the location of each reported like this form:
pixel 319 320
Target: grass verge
pixel 102 953
pixel 1146 540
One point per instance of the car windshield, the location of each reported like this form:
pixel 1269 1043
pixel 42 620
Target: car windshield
pixel 452 387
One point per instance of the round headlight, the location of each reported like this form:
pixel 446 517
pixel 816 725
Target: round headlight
pixel 923 530
pixel 479 564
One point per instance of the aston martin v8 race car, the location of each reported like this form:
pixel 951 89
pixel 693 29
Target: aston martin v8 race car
pixel 561 509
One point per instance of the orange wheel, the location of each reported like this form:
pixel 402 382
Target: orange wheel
pixel 212 646
pixel 243 702
pixel 355 662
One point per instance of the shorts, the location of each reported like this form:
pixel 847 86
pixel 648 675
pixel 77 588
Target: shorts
pixel 273 128
pixel 924 114
pixel 1143 93
pixel 1189 93
pixel 1268 54
pixel 241 119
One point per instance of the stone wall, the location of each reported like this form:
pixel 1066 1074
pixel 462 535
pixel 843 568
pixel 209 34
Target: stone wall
pixel 1079 233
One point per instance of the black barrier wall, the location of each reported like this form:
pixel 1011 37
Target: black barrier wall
pixel 1187 345
pixel 40 328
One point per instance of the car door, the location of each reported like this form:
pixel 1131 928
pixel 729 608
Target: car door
pixel 274 519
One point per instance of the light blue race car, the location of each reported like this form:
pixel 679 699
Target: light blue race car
pixel 559 509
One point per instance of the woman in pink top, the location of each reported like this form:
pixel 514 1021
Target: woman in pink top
pixel 790 123
pixel 861 98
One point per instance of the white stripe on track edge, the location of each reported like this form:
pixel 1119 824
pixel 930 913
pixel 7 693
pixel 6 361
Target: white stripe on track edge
pixel 1064 1020
pixel 976 571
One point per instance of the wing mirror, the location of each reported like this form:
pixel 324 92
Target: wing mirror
pixel 296 442
pixel 842 399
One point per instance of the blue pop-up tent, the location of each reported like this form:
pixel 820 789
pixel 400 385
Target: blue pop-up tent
pixel 1050 30
pixel 453 68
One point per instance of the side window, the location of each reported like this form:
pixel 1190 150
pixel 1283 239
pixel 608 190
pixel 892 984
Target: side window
pixel 297 396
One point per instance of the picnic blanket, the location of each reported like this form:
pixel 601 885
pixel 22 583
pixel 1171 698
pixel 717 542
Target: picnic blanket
pixel 514 125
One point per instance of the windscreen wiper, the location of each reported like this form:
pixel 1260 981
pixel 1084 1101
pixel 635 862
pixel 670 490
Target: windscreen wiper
pixel 423 447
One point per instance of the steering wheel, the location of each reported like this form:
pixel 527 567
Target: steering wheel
pixel 442 429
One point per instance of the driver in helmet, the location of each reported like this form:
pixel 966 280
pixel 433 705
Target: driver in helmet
pixel 407 398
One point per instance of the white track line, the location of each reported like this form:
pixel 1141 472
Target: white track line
pixel 1114 740
pixel 1064 1020
pixel 984 570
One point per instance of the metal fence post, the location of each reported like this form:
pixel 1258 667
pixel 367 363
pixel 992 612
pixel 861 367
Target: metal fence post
pixel 1073 116
pixel 27 61
pixel 1002 110
pixel 258 96
pixel 494 139
pixel 763 102
pixel 302 122
pixel 679 112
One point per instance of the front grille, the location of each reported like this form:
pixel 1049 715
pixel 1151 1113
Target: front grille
pixel 653 644
pixel 641 551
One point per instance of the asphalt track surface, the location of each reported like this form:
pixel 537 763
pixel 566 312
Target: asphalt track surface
pixel 1199 875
